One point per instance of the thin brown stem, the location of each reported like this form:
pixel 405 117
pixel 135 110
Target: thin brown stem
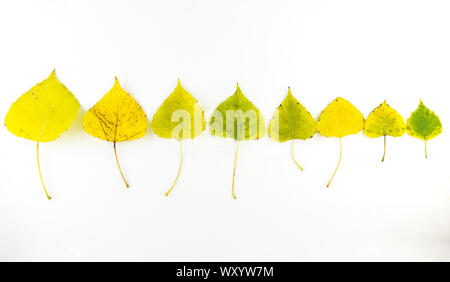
pixel 339 162
pixel 179 169
pixel 384 153
pixel 40 174
pixel 292 154
pixel 118 165
pixel 234 169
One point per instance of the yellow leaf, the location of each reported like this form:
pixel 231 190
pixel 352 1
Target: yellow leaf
pixel 340 118
pixel 383 121
pixel 42 113
pixel 179 117
pixel 115 118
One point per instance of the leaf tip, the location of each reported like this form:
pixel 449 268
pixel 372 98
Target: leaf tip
pixel 52 74
pixel 289 90
pixel 116 82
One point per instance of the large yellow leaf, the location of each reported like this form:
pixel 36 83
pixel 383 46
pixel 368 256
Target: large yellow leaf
pixel 179 117
pixel 42 113
pixel 340 118
pixel 115 118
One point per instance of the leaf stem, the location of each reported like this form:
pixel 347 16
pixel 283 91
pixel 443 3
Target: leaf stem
pixel 384 153
pixel 40 174
pixel 292 154
pixel 426 154
pixel 179 169
pixel 118 165
pixel 234 169
pixel 340 157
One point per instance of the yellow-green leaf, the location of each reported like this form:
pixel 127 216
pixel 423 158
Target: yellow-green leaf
pixel 239 119
pixel 42 113
pixel 384 121
pixel 424 124
pixel 291 121
pixel 117 117
pixel 340 118
pixel 179 117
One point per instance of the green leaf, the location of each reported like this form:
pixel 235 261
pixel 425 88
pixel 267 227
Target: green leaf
pixel 291 121
pixel 423 124
pixel 179 117
pixel 239 119
pixel 383 121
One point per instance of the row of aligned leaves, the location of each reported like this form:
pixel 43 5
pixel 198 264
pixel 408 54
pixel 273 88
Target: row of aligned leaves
pixel 49 108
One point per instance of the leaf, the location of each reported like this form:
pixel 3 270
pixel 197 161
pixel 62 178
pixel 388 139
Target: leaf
pixel 42 113
pixel 179 105
pixel 179 117
pixel 383 121
pixel 340 118
pixel 291 121
pixel 117 117
pixel 239 119
pixel 424 124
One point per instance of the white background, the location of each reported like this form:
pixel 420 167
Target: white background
pixel 364 51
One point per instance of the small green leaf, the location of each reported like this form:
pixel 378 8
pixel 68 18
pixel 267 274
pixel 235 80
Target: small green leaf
pixel 291 121
pixel 424 124
pixel 239 119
